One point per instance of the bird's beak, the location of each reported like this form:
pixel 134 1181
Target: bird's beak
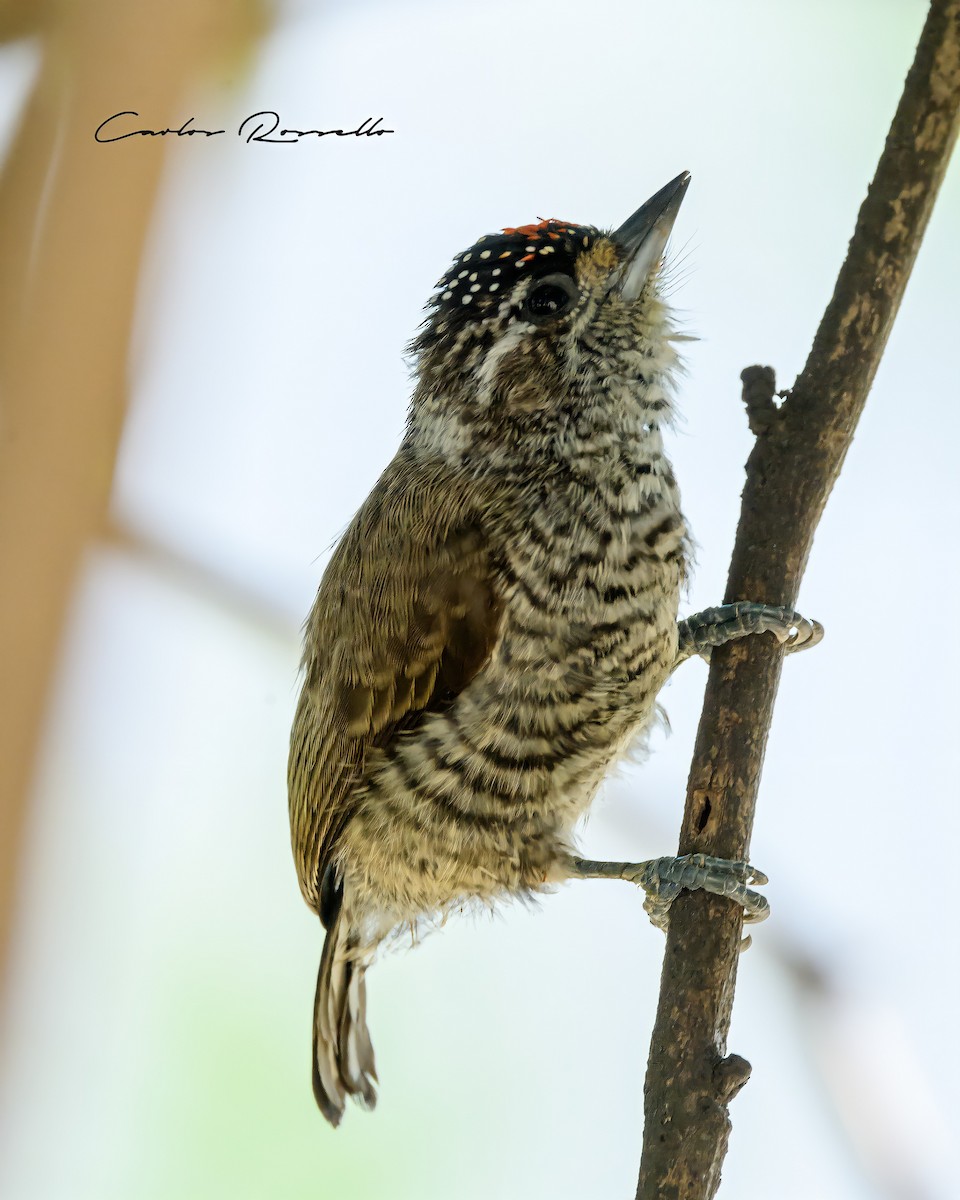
pixel 643 236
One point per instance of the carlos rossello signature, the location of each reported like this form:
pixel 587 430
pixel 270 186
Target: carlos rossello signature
pixel 258 127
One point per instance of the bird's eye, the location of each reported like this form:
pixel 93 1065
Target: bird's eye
pixel 549 297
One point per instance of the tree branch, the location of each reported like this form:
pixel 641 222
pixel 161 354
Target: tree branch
pixel 799 450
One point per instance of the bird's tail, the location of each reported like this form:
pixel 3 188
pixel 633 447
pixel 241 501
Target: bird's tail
pixel 342 1052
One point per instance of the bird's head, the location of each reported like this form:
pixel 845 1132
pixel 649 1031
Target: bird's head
pixel 544 319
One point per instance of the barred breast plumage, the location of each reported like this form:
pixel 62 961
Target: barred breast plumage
pixel 477 799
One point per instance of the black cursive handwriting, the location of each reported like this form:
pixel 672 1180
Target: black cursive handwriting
pixel 258 127
pixel 262 131
pixel 183 131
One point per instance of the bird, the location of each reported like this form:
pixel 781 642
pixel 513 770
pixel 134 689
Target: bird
pixel 492 630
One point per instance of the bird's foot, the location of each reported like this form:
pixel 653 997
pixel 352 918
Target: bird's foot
pixel 704 631
pixel 664 878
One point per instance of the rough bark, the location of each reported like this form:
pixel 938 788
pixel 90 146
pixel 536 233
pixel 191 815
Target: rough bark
pixel 799 451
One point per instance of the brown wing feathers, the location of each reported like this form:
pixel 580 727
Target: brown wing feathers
pixel 416 619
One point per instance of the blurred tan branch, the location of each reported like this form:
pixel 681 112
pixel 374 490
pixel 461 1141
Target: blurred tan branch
pixel 74 217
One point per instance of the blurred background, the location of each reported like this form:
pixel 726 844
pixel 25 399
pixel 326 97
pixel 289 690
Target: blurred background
pixel 201 354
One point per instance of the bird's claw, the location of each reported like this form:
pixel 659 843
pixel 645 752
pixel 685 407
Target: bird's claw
pixel 705 631
pixel 664 878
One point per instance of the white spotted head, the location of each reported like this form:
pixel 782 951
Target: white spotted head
pixel 529 317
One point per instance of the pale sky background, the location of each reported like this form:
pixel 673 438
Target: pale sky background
pixel 157 1042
